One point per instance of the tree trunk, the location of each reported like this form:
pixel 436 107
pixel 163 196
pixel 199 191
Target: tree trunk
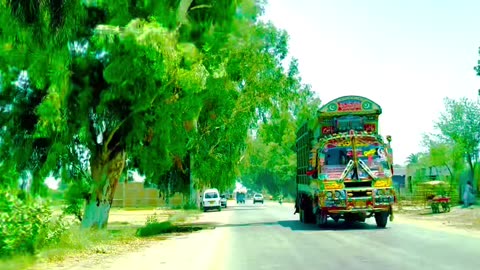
pixel 106 172
pixel 193 198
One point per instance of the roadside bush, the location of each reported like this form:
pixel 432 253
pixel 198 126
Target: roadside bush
pixel 185 206
pixel 74 198
pixel 27 225
pixel 190 206
pixel 155 227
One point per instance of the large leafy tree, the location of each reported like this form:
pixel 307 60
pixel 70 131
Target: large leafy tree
pixel 87 85
pixel 460 124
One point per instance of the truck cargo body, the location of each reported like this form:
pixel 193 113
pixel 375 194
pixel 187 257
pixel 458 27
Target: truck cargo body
pixel 344 167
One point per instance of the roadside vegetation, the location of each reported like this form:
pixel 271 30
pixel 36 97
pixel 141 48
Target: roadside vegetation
pixel 450 155
pixel 34 234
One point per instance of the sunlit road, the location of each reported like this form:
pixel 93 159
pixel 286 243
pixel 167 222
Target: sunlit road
pixel 269 236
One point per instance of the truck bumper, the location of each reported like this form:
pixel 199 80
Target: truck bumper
pixel 357 210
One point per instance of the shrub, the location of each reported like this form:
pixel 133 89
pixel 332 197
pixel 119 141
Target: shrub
pixel 27 225
pixel 75 199
pixel 153 226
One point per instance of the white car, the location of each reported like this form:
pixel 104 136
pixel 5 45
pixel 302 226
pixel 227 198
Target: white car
pixel 257 198
pixel 211 200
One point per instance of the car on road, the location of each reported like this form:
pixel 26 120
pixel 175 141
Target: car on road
pixel 223 200
pixel 211 200
pixel 257 197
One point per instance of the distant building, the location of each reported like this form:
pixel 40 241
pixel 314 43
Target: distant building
pixel 399 177
pixel 424 174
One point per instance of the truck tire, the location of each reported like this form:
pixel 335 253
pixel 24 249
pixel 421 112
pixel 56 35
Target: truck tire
pixel 309 215
pixel 381 218
pixel 306 209
pixel 349 219
pixel 321 218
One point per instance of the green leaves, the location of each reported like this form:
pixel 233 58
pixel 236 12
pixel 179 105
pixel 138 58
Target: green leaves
pixel 26 225
pixel 157 79
pixel 461 122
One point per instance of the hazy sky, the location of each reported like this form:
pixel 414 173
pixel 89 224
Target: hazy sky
pixel 406 55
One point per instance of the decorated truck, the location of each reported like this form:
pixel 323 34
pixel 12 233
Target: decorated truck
pixel 344 166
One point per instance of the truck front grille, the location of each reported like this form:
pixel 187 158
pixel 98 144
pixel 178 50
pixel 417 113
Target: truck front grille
pixel 358 184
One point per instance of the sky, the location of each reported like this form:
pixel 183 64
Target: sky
pixel 406 55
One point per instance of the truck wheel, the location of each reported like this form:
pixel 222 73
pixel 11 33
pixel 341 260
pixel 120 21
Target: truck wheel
pixel 349 219
pixel 309 216
pixel 336 218
pixel 321 218
pixel 381 218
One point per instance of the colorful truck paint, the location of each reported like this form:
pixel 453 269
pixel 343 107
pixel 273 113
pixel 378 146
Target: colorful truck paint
pixel 344 167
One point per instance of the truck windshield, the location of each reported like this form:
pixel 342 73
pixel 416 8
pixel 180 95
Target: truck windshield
pixel 337 156
pixel 334 159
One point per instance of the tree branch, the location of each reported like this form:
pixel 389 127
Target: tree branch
pixel 132 113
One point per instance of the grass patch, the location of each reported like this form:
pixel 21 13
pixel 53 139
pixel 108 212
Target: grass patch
pixel 165 227
pixel 121 236
pixel 174 224
pixel 136 208
pixel 78 242
pixel 16 263
pixel 75 243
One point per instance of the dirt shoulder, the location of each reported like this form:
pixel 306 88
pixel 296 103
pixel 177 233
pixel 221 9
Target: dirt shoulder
pixel 119 238
pixel 464 220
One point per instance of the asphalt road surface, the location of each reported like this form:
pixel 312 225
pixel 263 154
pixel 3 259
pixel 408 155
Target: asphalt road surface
pixel 269 236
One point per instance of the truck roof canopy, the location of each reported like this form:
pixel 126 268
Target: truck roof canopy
pixel 350 105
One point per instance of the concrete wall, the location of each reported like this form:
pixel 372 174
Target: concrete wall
pixel 133 194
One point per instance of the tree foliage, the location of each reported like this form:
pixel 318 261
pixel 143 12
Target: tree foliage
pixel 460 125
pixel 88 85
pixel 270 160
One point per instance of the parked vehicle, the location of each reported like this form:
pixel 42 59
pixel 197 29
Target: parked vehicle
pixel 257 197
pixel 344 167
pixel 437 195
pixel 211 200
pixel 223 200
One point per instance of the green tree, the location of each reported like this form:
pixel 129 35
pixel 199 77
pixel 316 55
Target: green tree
pixel 87 85
pixel 270 161
pixel 413 159
pixel 459 124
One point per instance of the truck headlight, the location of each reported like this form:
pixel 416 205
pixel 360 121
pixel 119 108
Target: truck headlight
pixel 329 194
pixel 339 194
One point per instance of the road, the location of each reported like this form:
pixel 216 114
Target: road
pixel 269 236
